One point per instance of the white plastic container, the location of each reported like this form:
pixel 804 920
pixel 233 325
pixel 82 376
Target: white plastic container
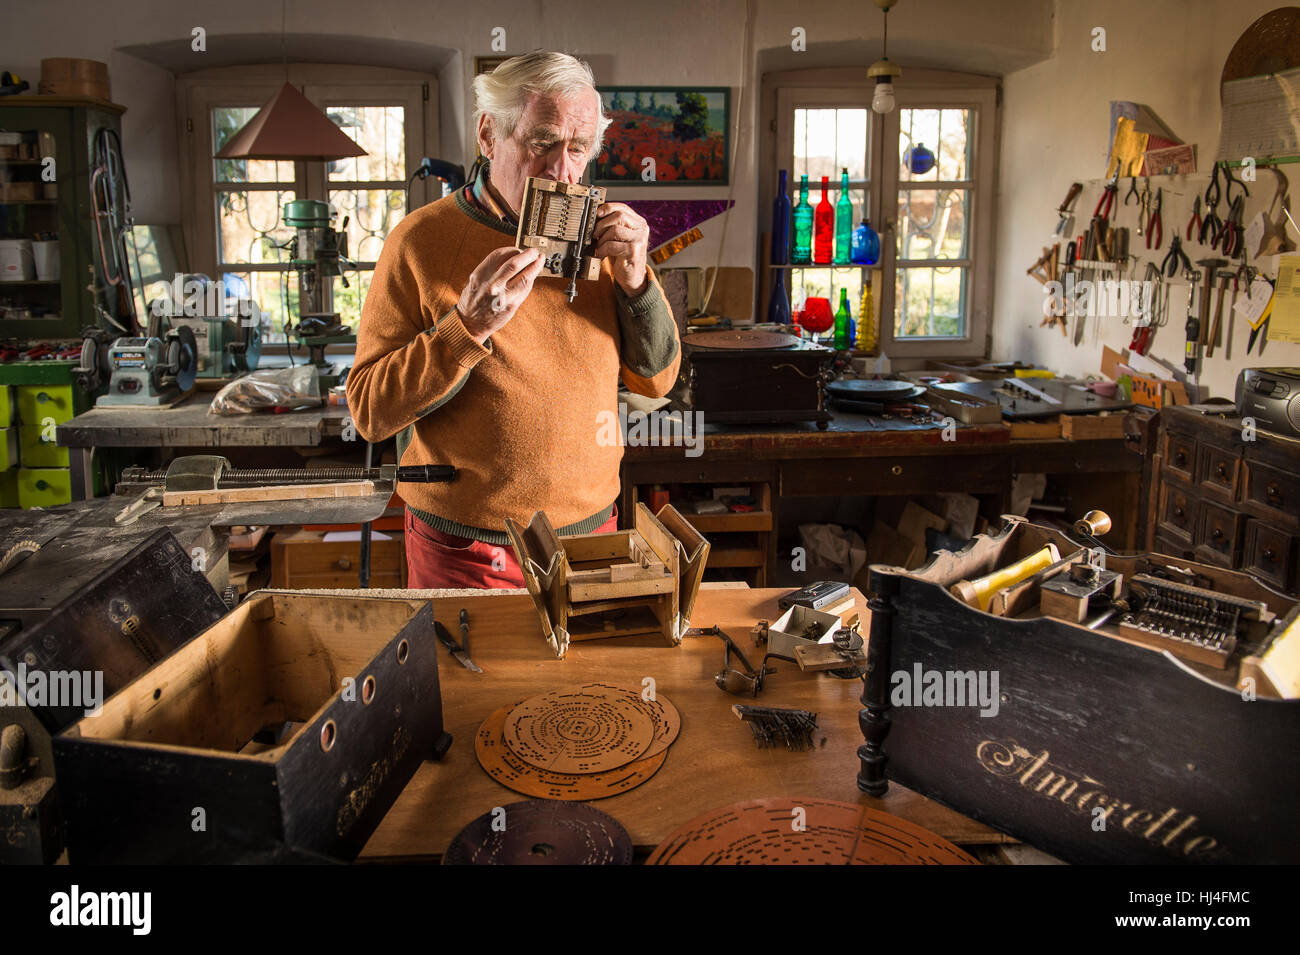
pixel 45 255
pixel 16 261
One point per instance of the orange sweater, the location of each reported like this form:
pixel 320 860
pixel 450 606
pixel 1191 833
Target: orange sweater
pixel 519 416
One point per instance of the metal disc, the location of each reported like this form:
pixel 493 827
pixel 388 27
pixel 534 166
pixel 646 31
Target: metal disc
pixel 860 389
pixel 580 729
pixel 188 367
pixel 787 831
pixel 501 763
pixel 541 832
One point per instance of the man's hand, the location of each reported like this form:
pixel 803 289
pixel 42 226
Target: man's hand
pixel 496 289
pixel 622 236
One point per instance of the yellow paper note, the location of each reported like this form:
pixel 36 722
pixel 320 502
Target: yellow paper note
pixel 1284 324
pixel 1127 150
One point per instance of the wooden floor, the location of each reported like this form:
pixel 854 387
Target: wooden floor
pixel 714 761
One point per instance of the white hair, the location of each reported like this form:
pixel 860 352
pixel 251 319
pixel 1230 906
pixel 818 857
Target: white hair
pixel 502 93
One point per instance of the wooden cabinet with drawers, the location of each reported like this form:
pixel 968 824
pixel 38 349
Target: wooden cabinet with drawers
pixel 304 560
pixel 1227 496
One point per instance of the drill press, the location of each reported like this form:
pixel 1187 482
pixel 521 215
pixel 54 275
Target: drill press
pixel 318 253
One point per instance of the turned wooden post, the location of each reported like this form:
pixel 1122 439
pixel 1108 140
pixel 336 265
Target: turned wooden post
pixel 874 719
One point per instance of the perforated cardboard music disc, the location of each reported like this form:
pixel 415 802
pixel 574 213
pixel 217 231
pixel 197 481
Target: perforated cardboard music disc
pixel 667 720
pixel 499 762
pixel 785 831
pixel 541 832
pixel 580 729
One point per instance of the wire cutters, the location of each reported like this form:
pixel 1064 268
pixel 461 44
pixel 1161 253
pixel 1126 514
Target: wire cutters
pixel 1106 204
pixel 1156 227
pixel 1229 182
pixel 1194 223
pixel 1176 257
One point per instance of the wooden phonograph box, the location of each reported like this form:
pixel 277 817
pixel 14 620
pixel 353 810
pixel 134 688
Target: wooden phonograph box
pixel 754 376
pixel 622 583
pixel 1141 711
pixel 289 727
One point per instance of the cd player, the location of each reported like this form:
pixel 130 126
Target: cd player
pixel 1272 397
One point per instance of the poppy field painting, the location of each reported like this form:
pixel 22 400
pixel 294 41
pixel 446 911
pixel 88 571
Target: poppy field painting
pixel 684 130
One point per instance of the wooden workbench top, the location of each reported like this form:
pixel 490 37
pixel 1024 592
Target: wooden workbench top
pixel 189 425
pixel 714 761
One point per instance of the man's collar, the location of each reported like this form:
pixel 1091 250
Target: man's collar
pixel 484 195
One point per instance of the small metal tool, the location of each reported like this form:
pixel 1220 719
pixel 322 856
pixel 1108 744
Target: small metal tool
pixel 457 651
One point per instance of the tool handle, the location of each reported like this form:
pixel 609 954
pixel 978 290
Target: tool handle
pixel 426 473
pixel 1070 196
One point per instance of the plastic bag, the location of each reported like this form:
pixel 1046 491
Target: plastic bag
pixel 268 388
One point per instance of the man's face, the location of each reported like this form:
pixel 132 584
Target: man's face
pixel 553 139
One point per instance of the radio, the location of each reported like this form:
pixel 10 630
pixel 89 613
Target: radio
pixel 1272 397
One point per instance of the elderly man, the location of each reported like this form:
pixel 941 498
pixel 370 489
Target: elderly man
pixel 497 371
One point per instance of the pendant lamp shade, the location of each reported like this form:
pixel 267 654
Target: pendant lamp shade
pixel 290 127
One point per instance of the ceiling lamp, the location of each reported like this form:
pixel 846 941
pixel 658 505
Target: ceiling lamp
pixel 290 127
pixel 883 71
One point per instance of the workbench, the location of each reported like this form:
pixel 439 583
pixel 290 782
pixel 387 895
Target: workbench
pixel 713 763
pixel 864 456
pixel 189 426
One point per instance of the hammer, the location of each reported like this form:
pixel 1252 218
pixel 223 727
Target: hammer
pixel 1211 266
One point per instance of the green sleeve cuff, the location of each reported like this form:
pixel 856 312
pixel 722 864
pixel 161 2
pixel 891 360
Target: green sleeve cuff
pixel 648 329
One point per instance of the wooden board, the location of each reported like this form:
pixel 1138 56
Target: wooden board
pixel 1091 427
pixel 712 763
pixel 279 492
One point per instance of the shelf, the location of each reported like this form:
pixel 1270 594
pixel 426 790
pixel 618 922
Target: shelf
pixel 851 265
pixel 20 162
pixel 736 557
pixel 28 202
pixel 729 522
pixel 32 282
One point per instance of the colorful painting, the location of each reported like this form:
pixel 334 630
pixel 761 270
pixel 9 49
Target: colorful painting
pixel 683 129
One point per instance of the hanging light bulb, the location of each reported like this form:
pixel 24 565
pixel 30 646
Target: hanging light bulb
pixel 883 71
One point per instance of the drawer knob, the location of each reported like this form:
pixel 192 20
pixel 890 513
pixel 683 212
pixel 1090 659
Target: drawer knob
pixel 1270 555
pixel 896 470
pixel 343 563
pixel 1221 470
pixel 1179 512
pixel 1218 533
pixel 1180 459
pixel 1273 492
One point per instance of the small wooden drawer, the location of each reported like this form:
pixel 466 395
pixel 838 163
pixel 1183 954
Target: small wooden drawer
pixel 1218 470
pixel 1178 511
pixel 1270 554
pixel 304 560
pixel 1173 547
pixel 1275 490
pixel 1180 456
pixel 1218 536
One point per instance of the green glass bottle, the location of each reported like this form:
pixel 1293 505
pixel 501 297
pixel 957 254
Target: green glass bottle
pixel 843 319
pixel 844 222
pixel 801 253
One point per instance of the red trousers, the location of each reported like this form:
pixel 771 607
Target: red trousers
pixel 438 561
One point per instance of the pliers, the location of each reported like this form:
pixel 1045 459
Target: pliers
pixel 1232 234
pixel 1195 222
pixel 1211 224
pixel 1229 182
pixel 1175 258
pixel 1106 204
pixel 1155 227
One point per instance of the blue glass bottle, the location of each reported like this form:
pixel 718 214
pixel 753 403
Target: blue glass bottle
pixel 778 308
pixel 781 222
pixel 866 244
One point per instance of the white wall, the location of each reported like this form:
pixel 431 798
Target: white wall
pixel 668 42
pixel 1168 54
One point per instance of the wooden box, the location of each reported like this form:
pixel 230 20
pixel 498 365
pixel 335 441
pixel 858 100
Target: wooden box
pixel 1096 749
pixel 757 385
pixel 623 583
pixel 290 726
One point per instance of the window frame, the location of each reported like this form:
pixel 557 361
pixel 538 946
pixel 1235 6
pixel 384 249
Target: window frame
pixel 916 89
pixel 340 85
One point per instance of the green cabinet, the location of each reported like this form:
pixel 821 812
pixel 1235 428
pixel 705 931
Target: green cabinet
pixel 33 130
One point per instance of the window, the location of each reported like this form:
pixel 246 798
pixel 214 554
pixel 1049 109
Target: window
pixel 935 224
pixel 235 216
